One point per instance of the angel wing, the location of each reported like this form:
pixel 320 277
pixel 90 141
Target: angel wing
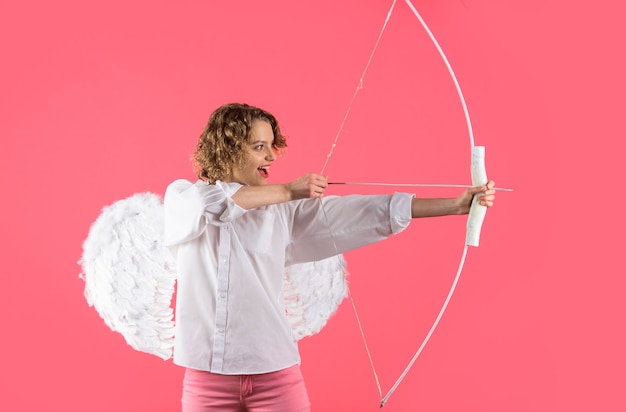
pixel 312 293
pixel 130 277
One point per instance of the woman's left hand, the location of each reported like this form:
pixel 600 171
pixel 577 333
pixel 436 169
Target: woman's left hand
pixel 486 196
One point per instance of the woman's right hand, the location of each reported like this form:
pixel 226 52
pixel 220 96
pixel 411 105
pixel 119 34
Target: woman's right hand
pixel 308 185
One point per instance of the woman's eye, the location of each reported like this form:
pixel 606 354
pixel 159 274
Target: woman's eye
pixel 259 147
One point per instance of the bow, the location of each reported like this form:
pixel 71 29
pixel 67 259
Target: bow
pixel 477 211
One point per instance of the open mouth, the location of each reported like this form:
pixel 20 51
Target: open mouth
pixel 264 171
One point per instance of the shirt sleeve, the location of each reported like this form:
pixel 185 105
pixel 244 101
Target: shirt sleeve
pixel 189 207
pixel 345 223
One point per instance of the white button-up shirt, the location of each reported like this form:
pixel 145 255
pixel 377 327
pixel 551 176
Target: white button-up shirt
pixel 230 316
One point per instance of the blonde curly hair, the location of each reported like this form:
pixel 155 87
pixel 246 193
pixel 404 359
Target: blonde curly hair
pixel 222 144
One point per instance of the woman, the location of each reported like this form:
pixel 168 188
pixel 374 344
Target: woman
pixel 233 234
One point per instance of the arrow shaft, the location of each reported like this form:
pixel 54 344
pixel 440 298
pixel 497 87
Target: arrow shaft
pixel 503 189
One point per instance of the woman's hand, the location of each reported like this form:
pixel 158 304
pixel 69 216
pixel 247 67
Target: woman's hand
pixel 309 185
pixel 486 196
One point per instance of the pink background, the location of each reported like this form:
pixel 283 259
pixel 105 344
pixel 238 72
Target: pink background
pixel 103 100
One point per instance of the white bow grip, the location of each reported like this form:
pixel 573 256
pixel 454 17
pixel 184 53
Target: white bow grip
pixel 477 211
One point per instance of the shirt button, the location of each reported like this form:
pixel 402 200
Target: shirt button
pixel 221 331
pixel 222 295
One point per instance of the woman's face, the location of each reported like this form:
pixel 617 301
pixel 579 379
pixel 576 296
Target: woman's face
pixel 255 170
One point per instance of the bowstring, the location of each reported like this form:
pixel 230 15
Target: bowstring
pixel 358 87
pixel 330 154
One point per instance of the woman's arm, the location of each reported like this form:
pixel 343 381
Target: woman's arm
pixel 453 206
pixel 309 185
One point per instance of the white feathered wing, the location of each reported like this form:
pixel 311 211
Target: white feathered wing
pixel 130 276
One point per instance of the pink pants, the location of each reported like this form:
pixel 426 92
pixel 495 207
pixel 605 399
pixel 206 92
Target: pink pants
pixel 280 391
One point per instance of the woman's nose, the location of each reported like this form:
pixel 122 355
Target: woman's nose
pixel 270 154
